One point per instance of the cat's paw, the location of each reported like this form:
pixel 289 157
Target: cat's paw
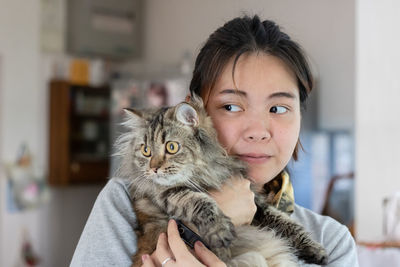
pixel 315 254
pixel 223 253
pixel 221 234
pixel 219 239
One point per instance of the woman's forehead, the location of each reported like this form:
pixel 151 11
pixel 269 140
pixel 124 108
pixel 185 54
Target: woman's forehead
pixel 256 70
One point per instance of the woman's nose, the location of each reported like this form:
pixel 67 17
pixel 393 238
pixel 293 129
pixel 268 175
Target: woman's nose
pixel 257 130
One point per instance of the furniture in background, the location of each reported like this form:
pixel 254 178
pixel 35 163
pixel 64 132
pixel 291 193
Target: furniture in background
pixel 339 200
pixel 79 148
pixel 103 28
pixel 378 254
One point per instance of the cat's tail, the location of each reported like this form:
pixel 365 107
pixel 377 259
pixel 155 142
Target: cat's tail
pixel 257 247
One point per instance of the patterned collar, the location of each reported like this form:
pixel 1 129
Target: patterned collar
pixel 280 192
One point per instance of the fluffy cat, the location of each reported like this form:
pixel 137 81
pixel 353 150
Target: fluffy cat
pixel 172 159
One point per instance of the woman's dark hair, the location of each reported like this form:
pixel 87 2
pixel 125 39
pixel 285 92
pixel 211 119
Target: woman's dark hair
pixel 244 35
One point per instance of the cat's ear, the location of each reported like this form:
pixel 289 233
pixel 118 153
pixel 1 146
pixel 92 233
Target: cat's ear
pixel 187 115
pixel 133 112
pixel 134 117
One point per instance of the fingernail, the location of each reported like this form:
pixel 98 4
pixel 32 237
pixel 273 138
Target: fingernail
pixel 199 244
pixel 144 257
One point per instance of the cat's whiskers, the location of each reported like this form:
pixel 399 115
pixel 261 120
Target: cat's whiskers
pixel 140 186
pixel 138 180
pixel 133 182
pixel 193 184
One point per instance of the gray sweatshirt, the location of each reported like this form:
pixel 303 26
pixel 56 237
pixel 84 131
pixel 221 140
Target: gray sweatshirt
pixel 108 238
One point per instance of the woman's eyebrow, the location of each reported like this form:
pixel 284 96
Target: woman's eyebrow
pixel 282 94
pixel 273 95
pixel 233 91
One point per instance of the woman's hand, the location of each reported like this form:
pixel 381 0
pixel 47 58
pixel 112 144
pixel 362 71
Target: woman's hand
pixel 172 251
pixel 236 201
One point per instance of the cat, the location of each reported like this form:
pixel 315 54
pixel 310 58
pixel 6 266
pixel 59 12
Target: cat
pixel 172 159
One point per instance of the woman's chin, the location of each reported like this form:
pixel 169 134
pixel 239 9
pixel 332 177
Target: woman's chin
pixel 261 177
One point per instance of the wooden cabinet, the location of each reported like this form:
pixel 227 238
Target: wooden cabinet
pixel 79 149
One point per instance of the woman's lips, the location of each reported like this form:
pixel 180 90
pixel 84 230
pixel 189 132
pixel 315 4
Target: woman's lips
pixel 254 158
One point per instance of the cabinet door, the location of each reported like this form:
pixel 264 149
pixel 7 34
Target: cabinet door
pixel 79 134
pixel 59 133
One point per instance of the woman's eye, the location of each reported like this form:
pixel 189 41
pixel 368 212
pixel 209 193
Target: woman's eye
pixel 232 108
pixel 278 109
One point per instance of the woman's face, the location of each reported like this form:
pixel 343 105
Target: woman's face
pixel 260 121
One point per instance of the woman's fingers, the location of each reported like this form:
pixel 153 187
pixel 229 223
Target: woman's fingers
pixel 147 261
pixel 174 250
pixel 178 247
pixel 206 256
pixel 163 250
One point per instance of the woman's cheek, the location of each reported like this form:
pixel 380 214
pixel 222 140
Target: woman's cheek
pixel 223 136
pixel 226 132
pixel 287 140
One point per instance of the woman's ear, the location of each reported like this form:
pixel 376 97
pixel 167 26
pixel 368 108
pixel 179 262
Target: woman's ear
pixel 187 115
pixel 195 100
pixel 298 146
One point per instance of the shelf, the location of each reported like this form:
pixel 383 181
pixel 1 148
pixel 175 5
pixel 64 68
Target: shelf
pixel 387 244
pixel 88 157
pixel 101 117
pixel 79 134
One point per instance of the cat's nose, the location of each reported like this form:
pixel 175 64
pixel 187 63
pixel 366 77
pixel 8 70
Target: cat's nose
pixel 155 163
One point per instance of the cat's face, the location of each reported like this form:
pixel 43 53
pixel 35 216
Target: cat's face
pixel 165 155
pixel 164 148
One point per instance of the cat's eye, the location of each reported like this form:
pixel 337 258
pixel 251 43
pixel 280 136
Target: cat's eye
pixel 145 151
pixel 172 147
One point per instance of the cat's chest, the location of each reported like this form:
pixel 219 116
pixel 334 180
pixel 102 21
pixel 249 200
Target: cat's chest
pixel 146 209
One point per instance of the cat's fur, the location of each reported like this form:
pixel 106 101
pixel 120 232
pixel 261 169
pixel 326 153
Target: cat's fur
pixel 165 186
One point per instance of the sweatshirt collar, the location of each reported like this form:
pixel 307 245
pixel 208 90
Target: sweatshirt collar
pixel 280 193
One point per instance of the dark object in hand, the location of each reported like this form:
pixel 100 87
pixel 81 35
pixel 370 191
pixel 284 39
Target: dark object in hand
pixel 188 235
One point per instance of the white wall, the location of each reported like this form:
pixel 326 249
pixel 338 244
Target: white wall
pixel 54 228
pixel 377 112
pixel 1 166
pixel 19 49
pixel 20 104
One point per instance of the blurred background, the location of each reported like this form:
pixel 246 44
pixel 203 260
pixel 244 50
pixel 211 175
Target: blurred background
pixel 68 67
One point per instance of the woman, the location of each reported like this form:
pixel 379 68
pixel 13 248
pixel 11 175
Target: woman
pixel 253 80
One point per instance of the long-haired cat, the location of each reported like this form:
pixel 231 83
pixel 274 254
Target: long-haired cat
pixel 172 159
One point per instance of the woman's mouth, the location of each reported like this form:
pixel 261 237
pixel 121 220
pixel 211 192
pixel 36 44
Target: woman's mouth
pixel 254 158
